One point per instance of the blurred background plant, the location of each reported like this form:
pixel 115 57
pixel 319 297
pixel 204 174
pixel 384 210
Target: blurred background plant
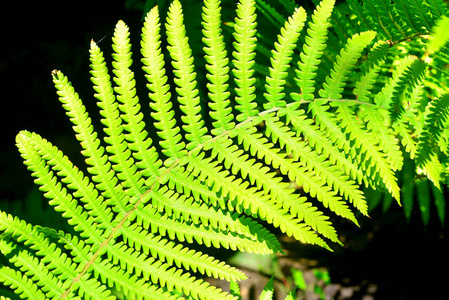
pixel 281 282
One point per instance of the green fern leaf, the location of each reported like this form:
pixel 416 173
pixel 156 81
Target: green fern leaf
pixel 405 76
pixel 364 85
pixel 273 149
pixel 333 87
pixel 438 8
pixel 268 291
pixel 313 50
pixel 271 13
pixel 250 200
pixel 297 206
pixel 281 58
pixel 318 140
pixel 185 77
pixel 235 289
pixel 72 176
pixel 160 95
pixel 244 45
pixel 100 168
pixel 440 35
pixel 20 284
pixel 318 164
pixel 415 14
pixel 218 68
pixel 30 266
pixel 123 164
pixel 383 14
pixel 59 263
pixel 435 119
pixel 136 136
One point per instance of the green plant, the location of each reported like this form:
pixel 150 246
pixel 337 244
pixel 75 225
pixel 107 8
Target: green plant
pixel 291 281
pixel 406 25
pixel 299 284
pixel 284 148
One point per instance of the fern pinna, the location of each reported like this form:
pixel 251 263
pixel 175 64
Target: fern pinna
pixel 208 180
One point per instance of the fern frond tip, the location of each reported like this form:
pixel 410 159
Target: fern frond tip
pixel 22 136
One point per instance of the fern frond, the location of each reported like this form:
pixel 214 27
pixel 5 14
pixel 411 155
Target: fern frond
pixel 153 61
pixel 439 35
pixel 180 208
pixel 65 203
pixel 118 147
pixel 432 167
pixel 100 168
pixel 30 266
pixel 297 206
pixel 185 77
pixel 85 225
pixel 188 183
pixel 343 26
pixel 381 12
pixel 234 289
pixel 438 8
pixel 37 150
pixel 364 85
pixel 415 14
pixel 20 283
pixel 434 121
pixel 131 284
pixel 149 218
pixel 320 142
pixel 289 5
pixel 266 157
pixel 360 12
pixel 405 76
pixel 182 257
pixel 138 142
pixel 56 261
pixel 53 190
pixel 268 291
pixel 217 66
pixel 250 200
pixel 270 13
pixel 369 149
pixel 332 90
pixel 315 43
pixel 281 57
pixel 299 150
pixel 333 87
pixel 244 46
pixel 208 268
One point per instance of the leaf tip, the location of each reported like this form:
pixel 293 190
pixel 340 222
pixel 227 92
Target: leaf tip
pixel 22 136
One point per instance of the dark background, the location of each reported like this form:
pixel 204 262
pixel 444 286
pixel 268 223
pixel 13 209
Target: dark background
pixel 404 261
pixel 37 37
